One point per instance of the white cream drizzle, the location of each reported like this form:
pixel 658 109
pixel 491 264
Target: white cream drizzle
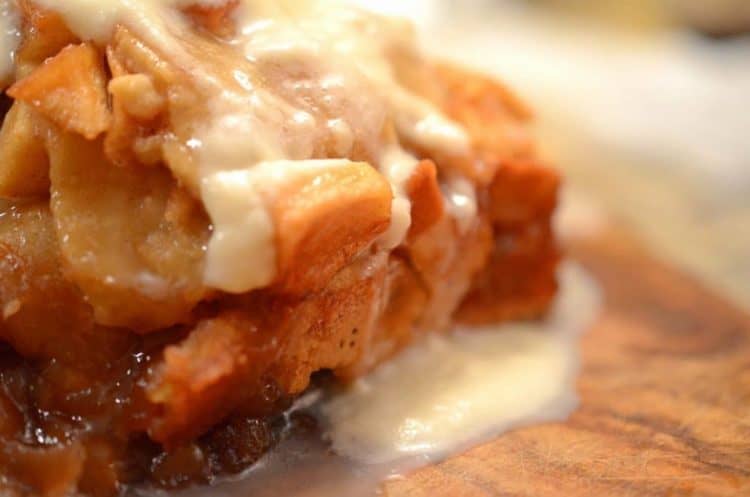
pixel 9 37
pixel 243 229
pixel 461 202
pixel 328 77
pixel 437 399
pixel 397 166
pixel 439 396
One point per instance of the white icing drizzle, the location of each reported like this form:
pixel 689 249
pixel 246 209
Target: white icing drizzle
pixel 397 166
pixel 9 37
pixel 465 386
pixel 437 399
pixel 243 231
pixel 243 228
pixel 461 202
pixel 95 19
pixel 328 78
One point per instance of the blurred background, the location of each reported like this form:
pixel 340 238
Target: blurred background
pixel 644 105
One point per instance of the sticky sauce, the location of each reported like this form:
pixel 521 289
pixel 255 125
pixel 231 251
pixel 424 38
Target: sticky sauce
pixel 434 400
pixel 450 391
pixel 328 77
pixel 9 38
pixel 397 166
pixel 461 202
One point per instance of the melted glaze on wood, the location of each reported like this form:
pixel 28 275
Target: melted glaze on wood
pixel 665 399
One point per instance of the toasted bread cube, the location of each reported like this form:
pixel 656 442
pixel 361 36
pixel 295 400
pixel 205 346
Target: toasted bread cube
pixel 522 192
pixel 44 35
pixel 137 95
pixel 325 217
pixel 427 205
pixel 136 104
pixel 495 118
pixel 69 90
pixel 264 350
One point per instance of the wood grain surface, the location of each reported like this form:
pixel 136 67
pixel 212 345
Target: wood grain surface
pixel 665 399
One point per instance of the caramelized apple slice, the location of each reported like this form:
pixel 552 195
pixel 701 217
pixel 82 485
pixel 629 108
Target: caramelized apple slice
pixel 43 315
pixel 31 466
pixel 138 266
pixel 24 168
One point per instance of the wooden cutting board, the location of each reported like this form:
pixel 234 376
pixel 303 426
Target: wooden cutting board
pixel 665 399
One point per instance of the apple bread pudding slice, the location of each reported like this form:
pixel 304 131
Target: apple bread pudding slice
pixel 205 202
